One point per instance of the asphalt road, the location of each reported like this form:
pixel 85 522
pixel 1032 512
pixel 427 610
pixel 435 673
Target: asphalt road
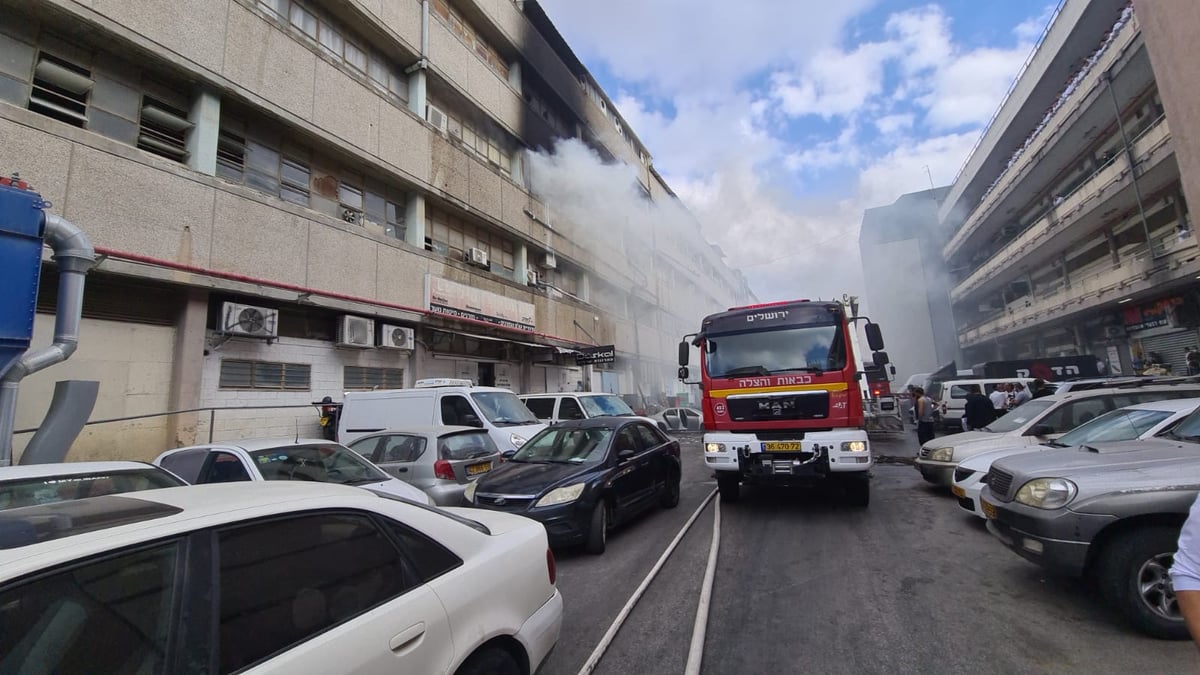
pixel 807 584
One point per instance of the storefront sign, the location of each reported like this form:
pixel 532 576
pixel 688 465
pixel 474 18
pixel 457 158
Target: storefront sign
pixel 1153 315
pixel 1114 360
pixel 589 356
pixel 459 300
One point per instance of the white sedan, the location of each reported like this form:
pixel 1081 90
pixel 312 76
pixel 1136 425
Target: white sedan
pixel 280 578
pixel 274 459
pixel 31 484
pixel 1144 420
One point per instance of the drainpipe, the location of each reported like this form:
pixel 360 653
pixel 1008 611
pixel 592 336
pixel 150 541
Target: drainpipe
pixel 1133 173
pixel 74 255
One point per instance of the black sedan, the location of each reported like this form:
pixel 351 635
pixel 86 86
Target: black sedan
pixel 584 477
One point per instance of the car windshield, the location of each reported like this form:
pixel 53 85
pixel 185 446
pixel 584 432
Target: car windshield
pixel 1188 429
pixel 1020 416
pixel 321 463
pixel 605 406
pixel 49 489
pixel 559 445
pixel 788 350
pixel 466 445
pixel 1115 425
pixel 503 408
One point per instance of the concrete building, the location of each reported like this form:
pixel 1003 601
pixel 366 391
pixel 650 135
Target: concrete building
pixel 296 198
pixel 907 290
pixel 1070 221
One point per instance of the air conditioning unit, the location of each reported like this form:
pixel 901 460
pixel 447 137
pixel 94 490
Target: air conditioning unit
pixel 248 320
pixel 477 256
pixel 356 331
pixel 395 337
pixel 436 117
pixel 1112 332
pixel 549 260
pixel 531 276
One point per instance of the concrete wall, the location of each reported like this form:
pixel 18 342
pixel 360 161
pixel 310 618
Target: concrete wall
pixel 132 363
pixel 1170 28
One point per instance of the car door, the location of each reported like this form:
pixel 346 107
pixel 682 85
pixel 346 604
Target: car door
pixel 542 407
pixel 399 455
pixel 655 445
pixel 689 420
pixel 1073 413
pixel 632 479
pixel 325 592
pixel 223 466
pixel 672 418
pixel 569 409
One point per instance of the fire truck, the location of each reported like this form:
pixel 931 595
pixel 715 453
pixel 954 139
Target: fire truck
pixel 783 395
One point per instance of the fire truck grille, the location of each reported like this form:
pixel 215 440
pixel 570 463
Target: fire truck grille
pixel 806 406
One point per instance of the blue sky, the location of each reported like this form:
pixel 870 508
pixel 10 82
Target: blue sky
pixel 778 121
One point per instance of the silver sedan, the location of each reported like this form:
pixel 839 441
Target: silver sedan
pixel 441 461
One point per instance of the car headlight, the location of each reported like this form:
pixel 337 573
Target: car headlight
pixel 942 454
pixel 714 447
pixel 517 440
pixel 469 493
pixel 854 446
pixel 1047 493
pixel 561 495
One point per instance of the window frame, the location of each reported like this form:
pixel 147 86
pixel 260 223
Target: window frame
pixel 254 365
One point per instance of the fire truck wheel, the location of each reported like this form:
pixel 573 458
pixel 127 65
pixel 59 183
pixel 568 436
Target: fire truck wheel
pixel 729 485
pixel 858 489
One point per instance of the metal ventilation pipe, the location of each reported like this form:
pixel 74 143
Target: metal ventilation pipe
pixel 75 256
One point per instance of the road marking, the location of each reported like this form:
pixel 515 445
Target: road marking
pixel 598 652
pixel 700 627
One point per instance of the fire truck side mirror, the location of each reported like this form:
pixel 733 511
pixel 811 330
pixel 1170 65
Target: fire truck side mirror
pixel 874 337
pixel 880 358
pixel 684 373
pixel 685 352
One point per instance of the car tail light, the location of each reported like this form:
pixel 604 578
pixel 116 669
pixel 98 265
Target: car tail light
pixel 551 569
pixel 442 469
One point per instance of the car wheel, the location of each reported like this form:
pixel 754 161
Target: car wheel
pixel 670 493
pixel 490 661
pixel 597 537
pixel 858 490
pixel 1133 577
pixel 729 485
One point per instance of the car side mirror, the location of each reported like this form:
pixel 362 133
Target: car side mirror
pixel 625 454
pixel 1041 430
pixel 507 454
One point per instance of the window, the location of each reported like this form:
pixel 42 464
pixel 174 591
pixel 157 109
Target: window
pixel 224 467
pixel 294 187
pixel 163 130
pixel 338 566
pixel 304 21
pixel 60 90
pixel 241 374
pixel 262 168
pixel 430 559
pixel 364 378
pixel 542 408
pixel 627 439
pixel 186 463
pixel 651 438
pixel 491 147
pixel 385 212
pixel 568 409
pixel 460 27
pixel 231 156
pixel 457 411
pixel 1073 413
pixel 466 445
pixel 331 40
pixel 401 449
pixel 355 57
pixel 350 199
pixel 103 616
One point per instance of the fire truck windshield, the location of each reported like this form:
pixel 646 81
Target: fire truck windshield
pixel 784 350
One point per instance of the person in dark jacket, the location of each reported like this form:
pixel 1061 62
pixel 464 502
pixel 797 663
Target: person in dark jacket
pixel 978 408
pixel 1040 389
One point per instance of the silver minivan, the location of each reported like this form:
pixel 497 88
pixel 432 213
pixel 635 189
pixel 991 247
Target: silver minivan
pixel 441 461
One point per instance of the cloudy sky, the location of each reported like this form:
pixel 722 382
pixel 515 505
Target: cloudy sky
pixel 779 121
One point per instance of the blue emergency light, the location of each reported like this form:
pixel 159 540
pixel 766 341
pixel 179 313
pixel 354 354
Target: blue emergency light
pixel 22 227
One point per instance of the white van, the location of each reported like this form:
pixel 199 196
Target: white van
pixel 953 395
pixel 555 408
pixel 439 402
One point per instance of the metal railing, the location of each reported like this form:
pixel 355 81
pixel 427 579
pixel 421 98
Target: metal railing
pixel 212 415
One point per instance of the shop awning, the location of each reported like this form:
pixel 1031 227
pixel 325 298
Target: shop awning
pixel 493 338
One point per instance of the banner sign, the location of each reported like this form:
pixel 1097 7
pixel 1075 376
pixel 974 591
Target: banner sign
pixel 1153 315
pixel 451 298
pixel 589 356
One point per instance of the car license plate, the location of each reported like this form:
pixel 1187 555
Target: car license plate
pixel 478 468
pixel 781 446
pixel 958 492
pixel 989 510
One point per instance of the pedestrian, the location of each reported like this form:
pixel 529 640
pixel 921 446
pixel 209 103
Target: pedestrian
pixel 924 412
pixel 1020 394
pixel 999 399
pixel 978 411
pixel 1185 572
pixel 1040 388
pixel 1193 361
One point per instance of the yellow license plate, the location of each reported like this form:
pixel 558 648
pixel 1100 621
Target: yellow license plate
pixel 958 492
pixel 476 469
pixel 782 446
pixel 989 510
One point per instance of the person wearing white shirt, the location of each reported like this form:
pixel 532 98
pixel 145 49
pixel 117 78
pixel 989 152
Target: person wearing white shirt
pixel 1185 572
pixel 999 399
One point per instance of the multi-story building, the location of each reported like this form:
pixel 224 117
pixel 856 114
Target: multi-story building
pixel 1070 225
pixel 296 198
pixel 906 288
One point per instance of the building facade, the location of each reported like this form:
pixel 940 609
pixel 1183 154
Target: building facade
pixel 296 198
pixel 1071 233
pixel 906 285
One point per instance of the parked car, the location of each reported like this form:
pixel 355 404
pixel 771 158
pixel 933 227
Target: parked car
pixel 280 578
pixel 1144 420
pixel 439 402
pixel 1111 513
pixel 47 483
pixel 680 419
pixel 1037 421
pixel 583 478
pixel 274 459
pixel 579 405
pixel 952 396
pixel 439 460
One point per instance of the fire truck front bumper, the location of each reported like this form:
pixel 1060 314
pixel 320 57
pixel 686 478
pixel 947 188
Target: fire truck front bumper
pixel 837 451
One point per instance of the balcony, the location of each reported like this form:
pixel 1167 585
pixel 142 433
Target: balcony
pixel 1077 113
pixel 1106 192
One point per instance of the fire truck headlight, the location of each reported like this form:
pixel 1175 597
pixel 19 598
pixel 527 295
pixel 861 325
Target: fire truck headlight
pixel 714 447
pixel 854 446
